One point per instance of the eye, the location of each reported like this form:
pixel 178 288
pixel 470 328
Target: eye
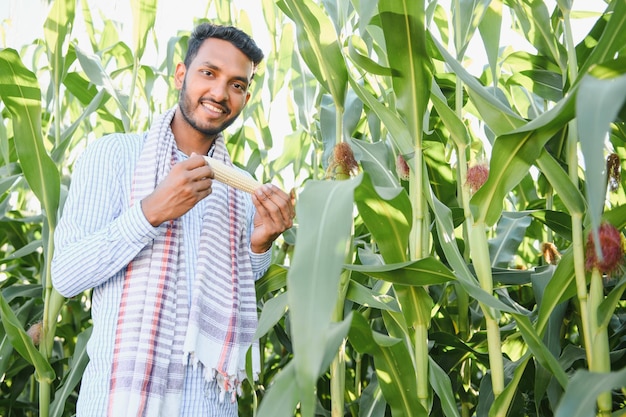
pixel 240 86
pixel 207 72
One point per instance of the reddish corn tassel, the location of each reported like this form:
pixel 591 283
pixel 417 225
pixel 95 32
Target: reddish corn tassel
pixel 402 168
pixel 476 176
pixel 342 163
pixel 550 253
pixel 611 245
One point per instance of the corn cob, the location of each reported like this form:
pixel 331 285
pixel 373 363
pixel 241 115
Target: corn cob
pixel 231 176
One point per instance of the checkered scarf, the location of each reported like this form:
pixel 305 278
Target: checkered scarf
pixel 158 333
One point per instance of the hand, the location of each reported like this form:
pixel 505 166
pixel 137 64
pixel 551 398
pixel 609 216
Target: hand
pixel 274 215
pixel 187 183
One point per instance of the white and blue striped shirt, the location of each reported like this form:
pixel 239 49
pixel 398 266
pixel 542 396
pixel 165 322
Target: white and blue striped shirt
pixel 97 236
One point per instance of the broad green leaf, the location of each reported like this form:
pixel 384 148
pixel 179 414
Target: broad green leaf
pixel 466 19
pixel 57 28
pixel 6 348
pixel 94 70
pixel 441 384
pixel 445 232
pixel 456 127
pixel 611 41
pixel 416 305
pixel 400 135
pixel 405 37
pixel 597 104
pixel 582 392
pixel 324 211
pixel 23 344
pixel 274 279
pixel 546 84
pixel 509 234
pixel 533 20
pixel 560 181
pixel 516 152
pixel 357 51
pixel 364 296
pixel 498 116
pixel 490 28
pixel 78 363
pixel 425 271
pixel 319 47
pixel 387 214
pixel 372 401
pixel 539 349
pixel 281 397
pixel 144 15
pixel 396 379
pixel 19 90
pixel 610 303
pixel 273 310
pixel 375 161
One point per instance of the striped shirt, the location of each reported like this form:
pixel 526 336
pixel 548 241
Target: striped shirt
pixel 96 238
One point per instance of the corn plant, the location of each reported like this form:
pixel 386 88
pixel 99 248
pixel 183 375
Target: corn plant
pixel 470 265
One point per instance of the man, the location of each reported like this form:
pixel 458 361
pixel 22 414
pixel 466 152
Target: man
pixel 170 253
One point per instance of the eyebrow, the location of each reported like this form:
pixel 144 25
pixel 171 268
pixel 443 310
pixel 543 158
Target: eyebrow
pixel 237 77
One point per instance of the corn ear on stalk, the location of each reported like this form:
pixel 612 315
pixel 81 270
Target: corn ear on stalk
pixel 231 176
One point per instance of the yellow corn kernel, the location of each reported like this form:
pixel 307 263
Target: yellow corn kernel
pixel 231 176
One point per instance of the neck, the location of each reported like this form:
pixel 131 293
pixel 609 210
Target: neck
pixel 188 139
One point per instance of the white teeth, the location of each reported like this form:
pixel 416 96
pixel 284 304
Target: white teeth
pixel 213 108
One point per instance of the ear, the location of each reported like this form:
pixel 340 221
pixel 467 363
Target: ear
pixel 247 98
pixel 179 75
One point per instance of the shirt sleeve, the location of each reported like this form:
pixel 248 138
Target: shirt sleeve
pixel 260 261
pixel 98 233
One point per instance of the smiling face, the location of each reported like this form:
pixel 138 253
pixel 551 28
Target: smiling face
pixel 213 90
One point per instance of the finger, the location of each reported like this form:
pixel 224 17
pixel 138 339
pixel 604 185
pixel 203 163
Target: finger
pixel 276 202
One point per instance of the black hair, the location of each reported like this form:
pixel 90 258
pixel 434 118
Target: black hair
pixel 235 36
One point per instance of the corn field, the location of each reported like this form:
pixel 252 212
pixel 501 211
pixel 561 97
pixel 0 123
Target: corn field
pixel 470 262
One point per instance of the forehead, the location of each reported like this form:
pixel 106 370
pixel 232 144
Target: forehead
pixel 224 56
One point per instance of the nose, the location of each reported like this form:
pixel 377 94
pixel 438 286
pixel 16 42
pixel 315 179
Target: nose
pixel 219 91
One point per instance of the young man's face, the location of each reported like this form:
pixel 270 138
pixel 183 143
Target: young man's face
pixel 214 88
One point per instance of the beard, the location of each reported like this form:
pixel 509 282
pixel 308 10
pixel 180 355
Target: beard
pixel 185 105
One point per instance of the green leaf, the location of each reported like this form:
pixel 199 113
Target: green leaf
pixel 569 194
pixel 57 28
pixel 583 389
pixel 23 344
pixel 274 279
pixel 516 152
pixel 324 211
pixel 387 214
pixel 273 310
pixel 597 104
pixel 405 37
pixel 144 15
pixel 611 41
pixel 374 158
pixel 509 234
pixel 78 363
pixel 469 16
pixel 425 271
pixel 319 46
pixel 364 296
pixel 440 381
pixel 539 349
pixel 19 90
pixel 281 397
pixel 391 357
pixel 400 135
pixel 490 28
pixel 496 114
